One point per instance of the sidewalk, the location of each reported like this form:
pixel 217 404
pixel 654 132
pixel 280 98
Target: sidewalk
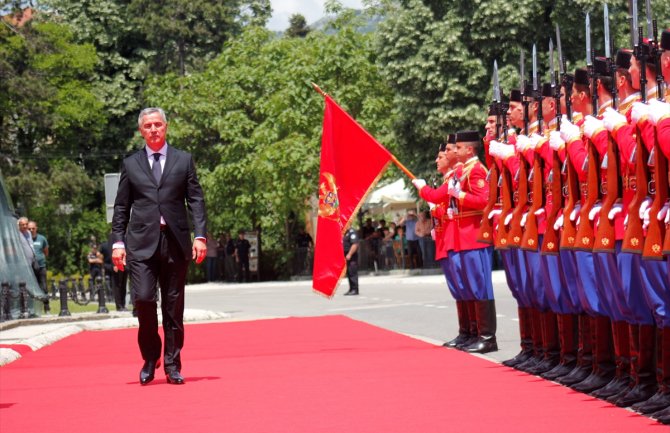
pixel 25 335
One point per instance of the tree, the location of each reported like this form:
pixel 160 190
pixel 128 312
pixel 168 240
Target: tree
pixel 254 123
pixel 297 27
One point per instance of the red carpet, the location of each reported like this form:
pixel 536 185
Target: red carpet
pixel 327 374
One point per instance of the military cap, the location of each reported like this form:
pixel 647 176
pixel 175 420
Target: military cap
pixel 601 67
pixel 443 147
pixel 623 58
pixel 451 139
pixel 529 90
pixel 547 91
pixel 492 110
pixel 582 76
pixel 665 39
pixel 515 95
pixel 467 136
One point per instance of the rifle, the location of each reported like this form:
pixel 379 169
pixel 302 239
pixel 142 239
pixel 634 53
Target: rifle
pixel 486 227
pixel 656 230
pixel 551 238
pixel 633 241
pixel 530 237
pixel 516 231
pixel 611 189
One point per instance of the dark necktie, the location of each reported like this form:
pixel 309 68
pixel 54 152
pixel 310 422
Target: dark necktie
pixel 156 169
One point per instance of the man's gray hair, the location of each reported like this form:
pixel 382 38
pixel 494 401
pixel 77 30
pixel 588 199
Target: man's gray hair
pixel 150 110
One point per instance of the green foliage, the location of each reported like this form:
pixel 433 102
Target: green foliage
pixel 297 27
pixel 253 122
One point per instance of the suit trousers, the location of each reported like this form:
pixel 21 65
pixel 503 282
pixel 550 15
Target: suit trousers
pixel 166 268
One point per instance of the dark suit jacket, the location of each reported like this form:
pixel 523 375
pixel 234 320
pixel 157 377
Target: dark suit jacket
pixel 140 202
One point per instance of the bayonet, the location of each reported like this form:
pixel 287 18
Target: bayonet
pixel 606 19
pixel 650 32
pixel 635 24
pixel 552 77
pixel 561 69
pixel 522 74
pixel 589 60
pixel 534 68
pixel 496 83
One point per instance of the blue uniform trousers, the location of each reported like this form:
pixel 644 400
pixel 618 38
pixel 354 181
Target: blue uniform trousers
pixel 556 286
pixel 508 261
pixel 536 291
pixel 568 262
pixel 587 285
pixel 656 284
pixel 452 283
pixel 609 283
pixel 637 308
pixel 475 272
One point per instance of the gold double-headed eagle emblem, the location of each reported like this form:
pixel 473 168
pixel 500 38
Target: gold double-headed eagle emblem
pixel 329 203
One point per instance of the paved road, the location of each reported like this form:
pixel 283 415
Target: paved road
pixel 420 306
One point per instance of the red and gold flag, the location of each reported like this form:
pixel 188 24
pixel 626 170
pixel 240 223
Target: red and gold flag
pixel 351 163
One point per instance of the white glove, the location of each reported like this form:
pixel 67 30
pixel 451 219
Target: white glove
pixel 559 222
pixel 454 189
pixel 591 125
pixel 569 131
pixel 535 139
pixel 418 183
pixel 595 210
pixel 575 212
pixel 508 218
pixel 494 212
pixel 639 110
pixel 538 213
pixel 506 151
pixel 450 213
pixel 644 207
pixel 494 148
pixel 663 212
pixel 555 140
pixel 625 221
pixel 616 209
pixel 645 218
pixel 612 119
pixel 431 206
pixel 667 217
pixel 522 143
pixel 524 217
pixel 432 234
pixel 658 109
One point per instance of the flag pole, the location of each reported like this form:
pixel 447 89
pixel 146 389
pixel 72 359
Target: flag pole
pixel 393 158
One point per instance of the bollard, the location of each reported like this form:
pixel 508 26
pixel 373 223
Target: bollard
pixel 54 290
pixel 102 308
pixel 4 303
pixel 23 300
pixel 62 288
pixel 80 286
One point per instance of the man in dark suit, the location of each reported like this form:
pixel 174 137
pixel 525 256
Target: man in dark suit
pixel 151 235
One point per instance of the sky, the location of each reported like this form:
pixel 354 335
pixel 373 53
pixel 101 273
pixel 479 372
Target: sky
pixel 312 10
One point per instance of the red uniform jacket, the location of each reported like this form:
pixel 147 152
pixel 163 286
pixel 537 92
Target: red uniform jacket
pixel 471 201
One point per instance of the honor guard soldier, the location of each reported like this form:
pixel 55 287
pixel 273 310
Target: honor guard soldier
pixel 350 244
pixel 443 212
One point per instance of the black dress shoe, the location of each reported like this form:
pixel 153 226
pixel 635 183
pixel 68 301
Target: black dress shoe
pixel 147 371
pixel 174 377
pixel 351 293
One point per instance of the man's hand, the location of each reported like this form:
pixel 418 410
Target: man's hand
pixel 555 140
pixel 559 222
pixel 199 250
pixel 639 111
pixel 569 131
pixel 119 258
pixel 494 212
pixel 522 143
pixel 617 208
pixel 575 212
pixel 595 210
pixel 418 183
pixel 658 109
pixel 454 189
pixel 612 119
pixel 591 125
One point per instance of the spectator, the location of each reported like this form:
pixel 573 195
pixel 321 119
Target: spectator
pixel 211 258
pixel 95 262
pixel 242 247
pixel 303 244
pixel 423 228
pixel 413 251
pixel 41 249
pixel 387 248
pixel 231 272
pixel 400 246
pixel 117 278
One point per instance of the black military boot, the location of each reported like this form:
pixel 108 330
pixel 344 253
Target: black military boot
pixel 645 385
pixel 622 378
pixel 567 332
pixel 538 345
pixel 552 350
pixel 603 357
pixel 487 324
pixel 472 318
pixel 584 364
pixel 525 335
pixel 661 399
pixel 463 325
